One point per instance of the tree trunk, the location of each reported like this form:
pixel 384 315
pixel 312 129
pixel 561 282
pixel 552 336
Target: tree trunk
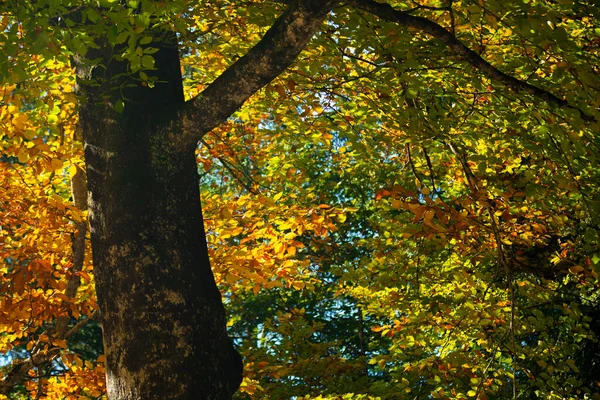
pixel 162 316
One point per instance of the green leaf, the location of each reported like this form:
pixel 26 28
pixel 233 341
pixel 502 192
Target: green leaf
pixel 119 106
pixel 92 15
pixel 148 62
pixel 121 37
pixel 143 20
pixel 111 34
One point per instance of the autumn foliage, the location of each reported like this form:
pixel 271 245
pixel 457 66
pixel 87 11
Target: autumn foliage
pixel 387 219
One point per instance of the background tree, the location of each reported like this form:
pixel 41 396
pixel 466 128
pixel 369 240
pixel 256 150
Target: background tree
pixel 410 208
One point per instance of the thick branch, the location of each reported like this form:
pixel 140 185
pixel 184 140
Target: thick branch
pixel 265 61
pixel 79 193
pixel 388 13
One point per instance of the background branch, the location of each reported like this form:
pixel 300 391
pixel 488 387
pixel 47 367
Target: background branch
pixel 388 13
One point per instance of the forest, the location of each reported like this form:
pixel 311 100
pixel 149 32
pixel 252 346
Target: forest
pixel 353 199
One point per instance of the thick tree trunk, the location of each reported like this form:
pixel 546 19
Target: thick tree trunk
pixel 162 316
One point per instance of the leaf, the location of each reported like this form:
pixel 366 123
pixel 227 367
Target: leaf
pixel 23 155
pixel 92 15
pixel 111 34
pixel 121 38
pixel 148 62
pixel 56 164
pixel 572 365
pixel 119 106
pixel 298 285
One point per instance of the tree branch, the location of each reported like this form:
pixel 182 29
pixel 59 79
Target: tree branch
pixel 79 194
pixel 265 61
pixel 18 369
pixel 388 13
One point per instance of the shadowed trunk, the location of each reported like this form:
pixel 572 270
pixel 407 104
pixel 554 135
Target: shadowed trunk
pixel 161 312
pixel 162 315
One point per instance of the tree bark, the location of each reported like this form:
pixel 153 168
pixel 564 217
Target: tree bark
pixel 162 316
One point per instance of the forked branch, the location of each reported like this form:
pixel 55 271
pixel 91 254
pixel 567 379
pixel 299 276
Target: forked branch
pixel 278 48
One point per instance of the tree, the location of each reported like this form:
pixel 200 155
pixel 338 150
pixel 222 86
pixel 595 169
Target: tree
pixel 161 312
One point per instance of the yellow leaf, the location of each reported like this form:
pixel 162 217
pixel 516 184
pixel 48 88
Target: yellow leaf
pixel 19 121
pixel 576 269
pixel 298 285
pixel 278 246
pixel 23 155
pixel 428 216
pixel 29 134
pixel 55 164
pixel 280 90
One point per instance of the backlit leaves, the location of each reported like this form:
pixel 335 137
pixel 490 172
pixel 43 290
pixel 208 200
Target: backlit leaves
pixel 384 220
